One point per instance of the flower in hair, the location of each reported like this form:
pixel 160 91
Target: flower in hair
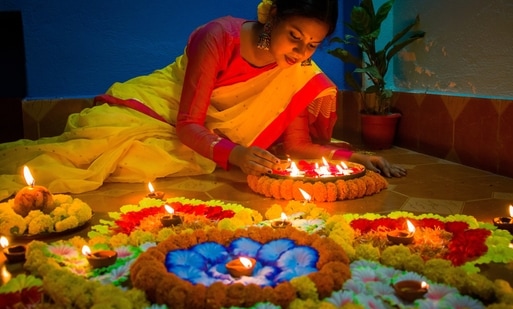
pixel 263 10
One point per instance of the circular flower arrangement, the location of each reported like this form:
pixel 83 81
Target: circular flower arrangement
pixel 67 213
pixel 283 256
pixel 368 183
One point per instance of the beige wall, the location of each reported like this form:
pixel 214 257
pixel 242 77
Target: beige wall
pixel 467 51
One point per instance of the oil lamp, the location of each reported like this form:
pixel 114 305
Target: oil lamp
pixel 241 266
pixel 402 237
pixel 99 259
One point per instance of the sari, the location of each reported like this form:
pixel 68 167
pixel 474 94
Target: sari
pixel 130 134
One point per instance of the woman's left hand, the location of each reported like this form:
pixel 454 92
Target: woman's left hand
pixel 379 165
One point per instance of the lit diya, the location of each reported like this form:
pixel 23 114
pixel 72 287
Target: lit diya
pixel 505 223
pixel 170 219
pixel 280 224
pixel 318 171
pixel 101 258
pixel 32 197
pixel 154 194
pixel 410 290
pixel 13 254
pixel 402 237
pixel 241 267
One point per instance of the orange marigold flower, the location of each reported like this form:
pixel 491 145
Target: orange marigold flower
pixel 275 189
pixel 352 191
pixel 320 193
pixel 286 189
pixel 296 193
pixel 331 192
pixel 361 187
pixel 285 294
pixel 370 185
pixel 323 283
pixel 342 189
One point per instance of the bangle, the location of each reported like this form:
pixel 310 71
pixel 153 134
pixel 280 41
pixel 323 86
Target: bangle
pixel 212 145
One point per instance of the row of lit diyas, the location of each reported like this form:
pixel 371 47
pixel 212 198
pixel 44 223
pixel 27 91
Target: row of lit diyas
pixel 290 168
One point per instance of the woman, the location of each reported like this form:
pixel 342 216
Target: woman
pixel 240 88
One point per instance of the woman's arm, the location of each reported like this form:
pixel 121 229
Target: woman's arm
pixel 298 144
pixel 205 60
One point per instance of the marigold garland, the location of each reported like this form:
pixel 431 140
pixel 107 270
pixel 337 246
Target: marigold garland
pixel 320 191
pixel 149 274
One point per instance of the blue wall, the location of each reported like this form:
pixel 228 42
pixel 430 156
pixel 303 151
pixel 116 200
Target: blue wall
pixel 79 48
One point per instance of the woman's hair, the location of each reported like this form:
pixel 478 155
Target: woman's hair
pixel 323 10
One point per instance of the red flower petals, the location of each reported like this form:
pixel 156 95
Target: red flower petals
pixel 130 221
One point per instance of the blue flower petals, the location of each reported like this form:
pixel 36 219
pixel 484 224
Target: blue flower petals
pixel 300 256
pixel 244 246
pixel 276 261
pixel 212 251
pixel 185 258
pixel 271 251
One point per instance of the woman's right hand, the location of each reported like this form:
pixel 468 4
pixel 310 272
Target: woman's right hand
pixel 253 160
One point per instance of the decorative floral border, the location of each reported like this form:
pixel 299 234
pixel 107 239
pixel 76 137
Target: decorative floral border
pixel 288 189
pixel 149 273
pixel 68 288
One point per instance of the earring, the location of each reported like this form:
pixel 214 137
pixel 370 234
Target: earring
pixel 264 38
pixel 307 62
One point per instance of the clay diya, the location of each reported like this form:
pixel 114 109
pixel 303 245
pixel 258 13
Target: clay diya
pixel 241 266
pixel 154 194
pixel 401 237
pixel 101 258
pixel 170 219
pixel 280 224
pixel 505 223
pixel 13 254
pixel 410 290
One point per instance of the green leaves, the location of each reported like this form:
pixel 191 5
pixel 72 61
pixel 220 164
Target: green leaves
pixel 365 23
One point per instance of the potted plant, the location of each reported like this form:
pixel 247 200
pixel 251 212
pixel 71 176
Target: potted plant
pixel 372 66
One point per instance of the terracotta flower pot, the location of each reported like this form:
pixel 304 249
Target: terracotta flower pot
pixel 378 131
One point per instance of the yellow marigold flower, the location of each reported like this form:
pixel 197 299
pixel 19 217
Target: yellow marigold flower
pixel 80 210
pixel 230 224
pixel 40 223
pixel 66 224
pixel 263 10
pixel 273 212
pixel 11 223
pixel 304 287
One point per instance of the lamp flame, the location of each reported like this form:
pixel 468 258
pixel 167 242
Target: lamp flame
pixel 305 194
pixel 4 242
pixel 294 170
pixel 283 217
pixel 28 176
pixel 169 209
pixel 245 262
pixel 511 210
pixel 150 187
pixel 424 285
pixel 86 250
pixel 411 227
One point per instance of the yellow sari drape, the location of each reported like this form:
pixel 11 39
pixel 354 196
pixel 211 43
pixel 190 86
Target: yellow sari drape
pixel 109 143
